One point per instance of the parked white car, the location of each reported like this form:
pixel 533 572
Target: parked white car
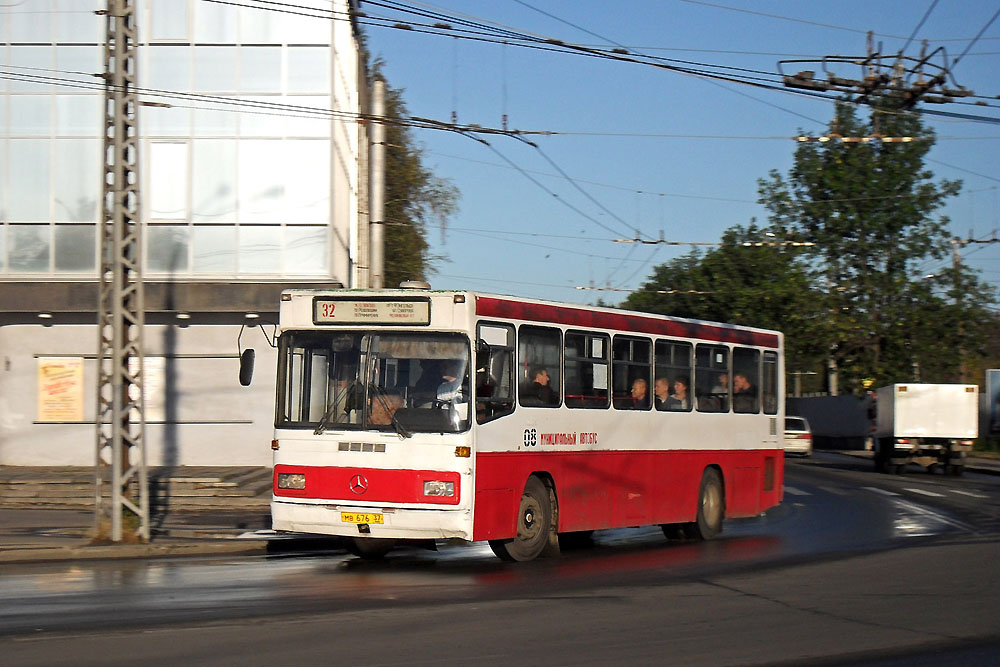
pixel 798 437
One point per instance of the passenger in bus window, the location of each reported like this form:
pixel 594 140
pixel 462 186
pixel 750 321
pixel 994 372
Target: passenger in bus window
pixel 679 400
pixel 662 390
pixel 721 385
pixel 744 394
pixel 640 394
pixel 538 391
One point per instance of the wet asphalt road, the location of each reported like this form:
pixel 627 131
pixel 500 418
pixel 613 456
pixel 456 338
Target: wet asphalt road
pixel 853 568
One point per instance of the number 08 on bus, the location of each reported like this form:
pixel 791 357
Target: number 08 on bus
pixel 409 416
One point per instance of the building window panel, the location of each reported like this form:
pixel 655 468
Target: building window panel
pixel 169 20
pixel 216 68
pixel 28 172
pixel 214 169
pixel 262 122
pixel 167 248
pixel 75 248
pixel 78 115
pixel 307 181
pixel 30 115
pixel 308 125
pixel 260 249
pixel 260 69
pixel 214 24
pixel 166 122
pixel 29 248
pixel 77 21
pixel 261 189
pixel 167 68
pixel 305 250
pixel 260 27
pixel 30 20
pixel 77 178
pixel 307 30
pixel 79 64
pixel 309 69
pixel 220 122
pixel 215 249
pixel 29 61
pixel 168 179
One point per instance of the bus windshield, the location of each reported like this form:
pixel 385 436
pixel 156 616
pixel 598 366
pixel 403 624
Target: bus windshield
pixel 402 382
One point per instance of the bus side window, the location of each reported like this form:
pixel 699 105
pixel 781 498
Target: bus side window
pixel 712 381
pixel 494 371
pixel 631 366
pixel 539 358
pixel 769 383
pixel 746 380
pixel 586 370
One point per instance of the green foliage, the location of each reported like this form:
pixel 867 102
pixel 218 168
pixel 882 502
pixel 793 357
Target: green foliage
pixel 870 210
pixel 858 295
pixel 414 198
pixel 755 285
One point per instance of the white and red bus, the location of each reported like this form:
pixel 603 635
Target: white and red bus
pixel 421 415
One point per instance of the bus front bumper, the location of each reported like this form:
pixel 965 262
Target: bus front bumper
pixel 351 521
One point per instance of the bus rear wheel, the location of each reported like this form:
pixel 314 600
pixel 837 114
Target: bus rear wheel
pixel 534 525
pixel 711 507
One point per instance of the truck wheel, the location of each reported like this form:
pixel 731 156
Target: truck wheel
pixel 534 521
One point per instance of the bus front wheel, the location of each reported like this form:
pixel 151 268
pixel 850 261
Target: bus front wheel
pixel 534 525
pixel 370 548
pixel 711 507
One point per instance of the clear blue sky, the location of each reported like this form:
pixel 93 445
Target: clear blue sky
pixel 698 147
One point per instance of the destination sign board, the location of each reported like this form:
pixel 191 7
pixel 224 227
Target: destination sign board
pixel 372 311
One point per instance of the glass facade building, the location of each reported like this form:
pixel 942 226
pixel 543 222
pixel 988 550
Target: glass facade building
pixel 247 172
pixel 253 170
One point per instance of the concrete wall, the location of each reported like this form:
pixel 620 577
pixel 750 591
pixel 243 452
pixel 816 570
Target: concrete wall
pixel 197 412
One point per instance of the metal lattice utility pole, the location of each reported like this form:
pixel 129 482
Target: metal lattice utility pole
pixel 121 453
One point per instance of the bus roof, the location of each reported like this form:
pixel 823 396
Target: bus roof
pixel 599 317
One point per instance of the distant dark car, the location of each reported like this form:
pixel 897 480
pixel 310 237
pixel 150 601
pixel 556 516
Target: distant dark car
pixel 798 437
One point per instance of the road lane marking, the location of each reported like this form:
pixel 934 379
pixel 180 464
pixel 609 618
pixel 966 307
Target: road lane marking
pixel 969 493
pixel 796 492
pixel 878 490
pixel 925 493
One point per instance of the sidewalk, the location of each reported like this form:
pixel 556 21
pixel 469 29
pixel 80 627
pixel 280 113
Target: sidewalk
pixel 47 513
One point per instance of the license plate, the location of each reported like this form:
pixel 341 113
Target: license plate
pixel 361 517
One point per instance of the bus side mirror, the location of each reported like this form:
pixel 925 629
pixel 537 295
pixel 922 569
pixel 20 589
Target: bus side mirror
pixel 246 366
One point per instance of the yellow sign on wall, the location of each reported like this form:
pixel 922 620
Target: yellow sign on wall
pixel 60 389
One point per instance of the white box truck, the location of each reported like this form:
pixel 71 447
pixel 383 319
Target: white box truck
pixel 930 424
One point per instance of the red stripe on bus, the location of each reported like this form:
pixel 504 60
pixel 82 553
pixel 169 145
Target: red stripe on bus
pixel 581 317
pixel 613 489
pixel 377 485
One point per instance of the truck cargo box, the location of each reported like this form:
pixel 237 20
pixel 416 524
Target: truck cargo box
pixel 928 411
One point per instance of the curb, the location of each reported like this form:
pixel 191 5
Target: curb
pixel 35 554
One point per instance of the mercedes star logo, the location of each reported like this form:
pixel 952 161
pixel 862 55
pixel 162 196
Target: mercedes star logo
pixel 359 484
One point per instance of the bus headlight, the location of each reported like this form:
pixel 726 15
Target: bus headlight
pixel 291 480
pixel 435 488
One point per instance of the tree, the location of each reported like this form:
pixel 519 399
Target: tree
pixel 414 197
pixel 870 210
pixel 747 280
